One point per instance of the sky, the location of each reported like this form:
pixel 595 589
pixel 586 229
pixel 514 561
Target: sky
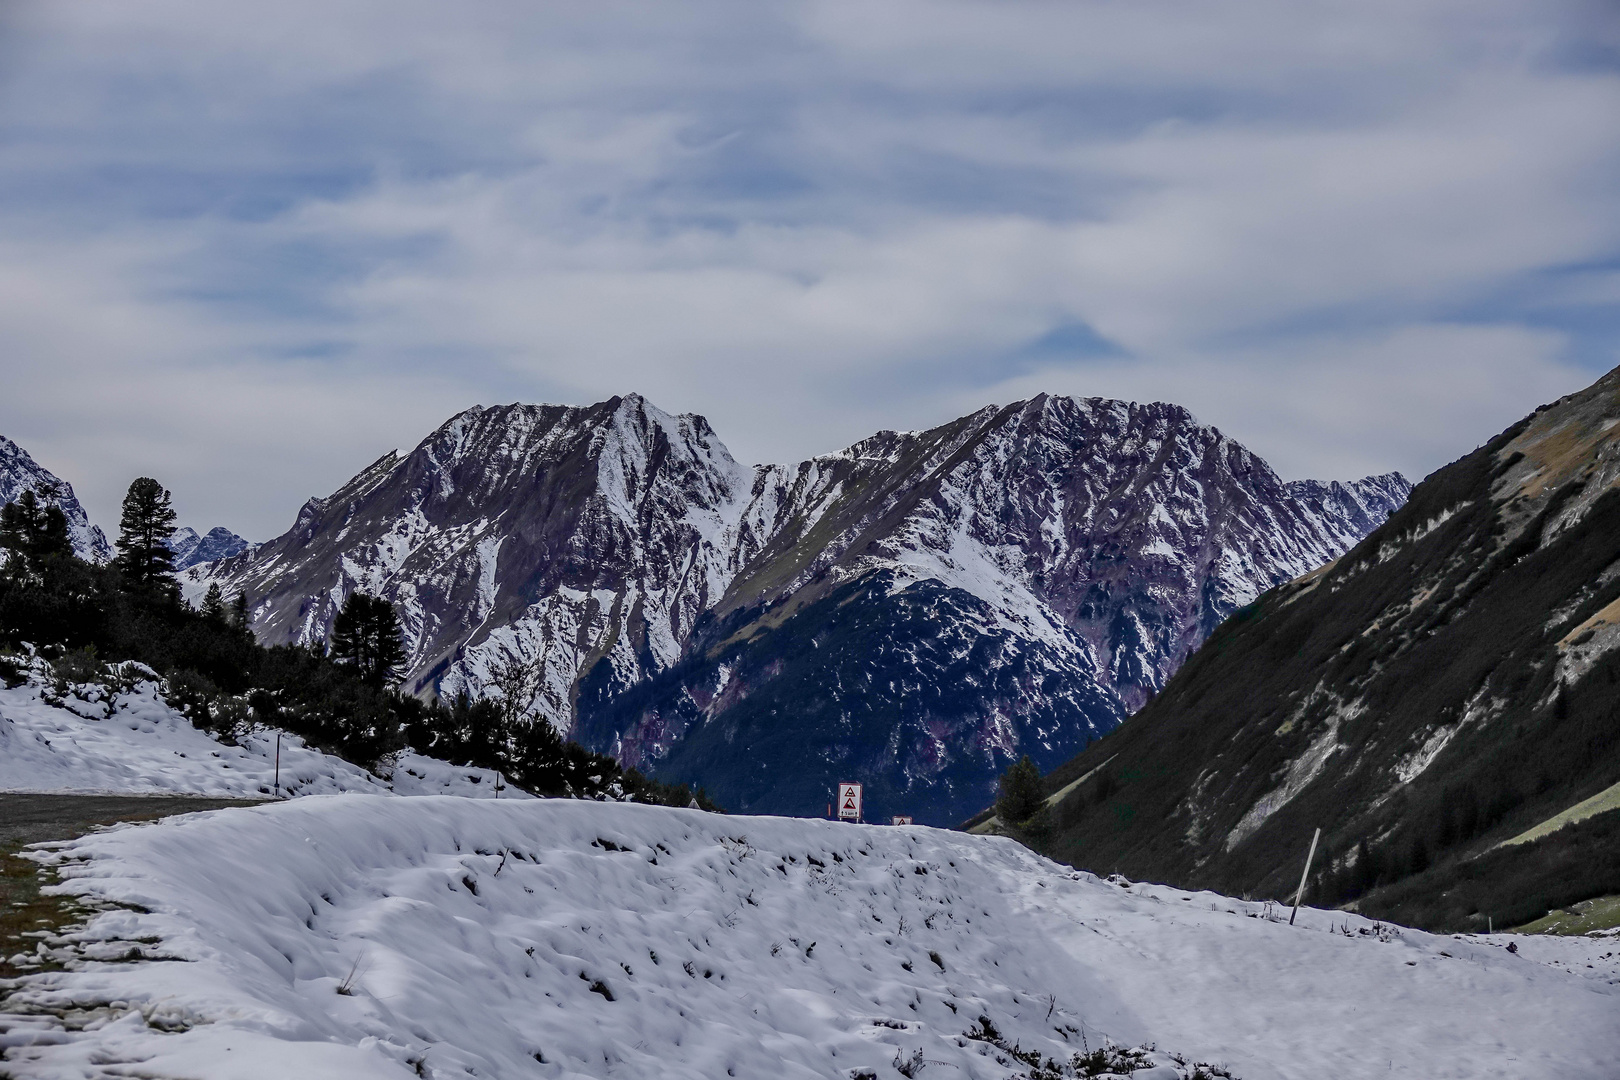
pixel 249 248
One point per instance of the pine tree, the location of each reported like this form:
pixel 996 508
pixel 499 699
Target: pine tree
pixel 33 534
pixel 1020 797
pixel 366 636
pixel 239 611
pixel 144 528
pixel 213 604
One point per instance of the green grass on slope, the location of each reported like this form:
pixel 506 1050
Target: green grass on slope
pixel 1586 917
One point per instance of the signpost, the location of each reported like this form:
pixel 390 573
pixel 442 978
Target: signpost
pixel 1315 836
pixel 849 802
pixel 900 819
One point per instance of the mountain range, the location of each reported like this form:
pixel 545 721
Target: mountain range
pixel 1440 701
pixel 912 612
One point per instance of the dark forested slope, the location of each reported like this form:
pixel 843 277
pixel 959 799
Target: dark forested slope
pixel 1448 684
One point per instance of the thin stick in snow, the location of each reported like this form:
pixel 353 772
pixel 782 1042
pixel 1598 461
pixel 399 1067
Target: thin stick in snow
pixel 1317 835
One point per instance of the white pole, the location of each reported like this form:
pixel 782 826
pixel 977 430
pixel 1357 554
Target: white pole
pixel 1317 835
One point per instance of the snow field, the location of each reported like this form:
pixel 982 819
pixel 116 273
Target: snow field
pixel 133 742
pixel 355 937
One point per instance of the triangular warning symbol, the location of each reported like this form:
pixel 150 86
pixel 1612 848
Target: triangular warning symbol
pixel 849 802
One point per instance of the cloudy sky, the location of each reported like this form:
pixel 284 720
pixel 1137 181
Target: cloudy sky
pixel 248 248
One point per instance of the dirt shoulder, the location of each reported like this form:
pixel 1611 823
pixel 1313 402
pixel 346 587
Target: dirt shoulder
pixel 30 819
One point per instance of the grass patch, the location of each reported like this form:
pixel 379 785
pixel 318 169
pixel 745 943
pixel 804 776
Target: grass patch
pixel 1586 917
pixel 27 915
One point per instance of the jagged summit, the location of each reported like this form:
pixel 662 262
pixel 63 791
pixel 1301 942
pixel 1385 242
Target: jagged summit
pixel 1078 549
pixel 193 550
pixel 19 472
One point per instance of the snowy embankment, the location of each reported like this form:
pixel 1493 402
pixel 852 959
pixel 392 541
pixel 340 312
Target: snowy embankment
pixel 133 742
pixel 352 937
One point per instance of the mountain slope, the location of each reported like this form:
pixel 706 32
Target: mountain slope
pixel 1444 687
pixel 19 472
pixel 1073 551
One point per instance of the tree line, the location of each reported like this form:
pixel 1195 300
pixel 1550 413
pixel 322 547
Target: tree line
pixel 340 696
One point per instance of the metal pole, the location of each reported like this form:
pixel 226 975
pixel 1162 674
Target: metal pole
pixel 278 764
pixel 1317 835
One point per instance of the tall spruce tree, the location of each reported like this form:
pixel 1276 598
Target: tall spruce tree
pixel 1020 794
pixel 213 604
pixel 144 529
pixel 366 637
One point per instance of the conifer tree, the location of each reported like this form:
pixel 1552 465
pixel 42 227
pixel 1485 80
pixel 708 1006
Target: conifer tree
pixel 213 604
pixel 366 636
pixel 32 534
pixel 144 528
pixel 1020 795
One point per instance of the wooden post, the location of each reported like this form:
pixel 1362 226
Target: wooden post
pixel 278 764
pixel 1317 835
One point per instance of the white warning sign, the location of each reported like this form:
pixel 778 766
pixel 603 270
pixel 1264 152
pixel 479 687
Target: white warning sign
pixel 849 802
pixel 900 819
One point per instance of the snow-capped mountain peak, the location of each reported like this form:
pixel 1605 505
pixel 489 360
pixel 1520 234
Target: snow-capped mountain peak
pixel 1082 546
pixel 19 472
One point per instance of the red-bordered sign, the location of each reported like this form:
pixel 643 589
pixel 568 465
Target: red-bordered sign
pixel 849 802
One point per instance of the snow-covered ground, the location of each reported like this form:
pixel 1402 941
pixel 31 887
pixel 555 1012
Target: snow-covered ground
pixel 354 937
pixel 133 742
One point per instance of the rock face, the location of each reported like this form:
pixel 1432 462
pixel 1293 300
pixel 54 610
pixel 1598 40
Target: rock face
pixel 912 611
pixel 19 473
pixel 193 550
pixel 1445 687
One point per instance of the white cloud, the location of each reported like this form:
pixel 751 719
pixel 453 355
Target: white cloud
pixel 251 247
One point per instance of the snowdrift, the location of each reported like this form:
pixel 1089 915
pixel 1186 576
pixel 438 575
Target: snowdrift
pixel 133 742
pixel 356 937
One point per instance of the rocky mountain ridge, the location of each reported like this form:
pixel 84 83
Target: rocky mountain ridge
pixel 19 472
pixel 1053 560
pixel 190 549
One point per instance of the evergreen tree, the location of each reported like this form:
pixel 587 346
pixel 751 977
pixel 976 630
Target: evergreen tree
pixel 239 611
pixel 213 604
pixel 1020 795
pixel 33 535
pixel 366 637
pixel 144 528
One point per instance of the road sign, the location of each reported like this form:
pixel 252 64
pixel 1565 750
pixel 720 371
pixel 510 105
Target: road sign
pixel 900 819
pixel 849 802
